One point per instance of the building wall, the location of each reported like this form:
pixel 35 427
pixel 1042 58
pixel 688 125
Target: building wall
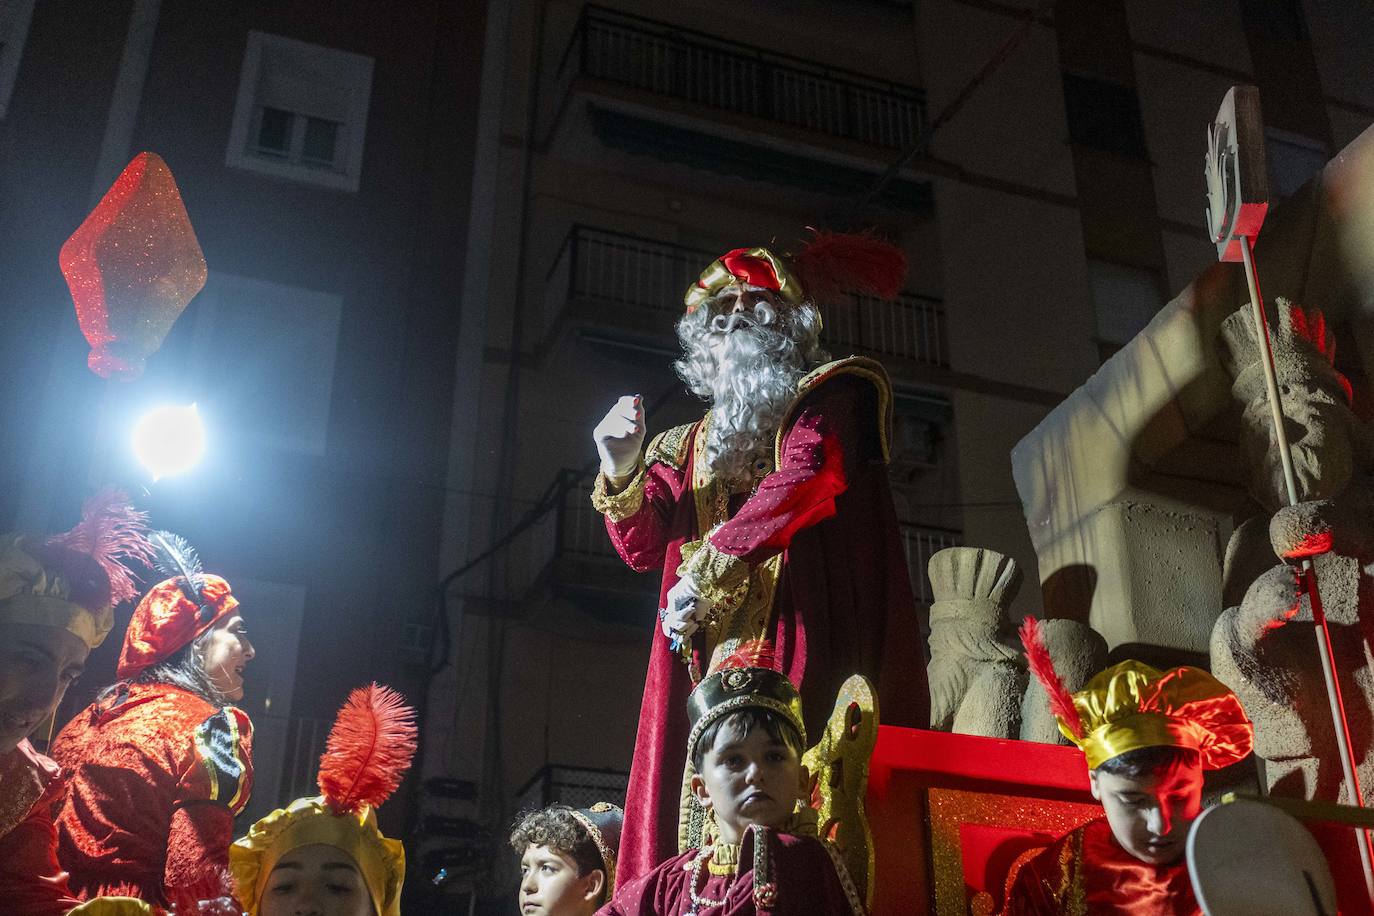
pixel 351 517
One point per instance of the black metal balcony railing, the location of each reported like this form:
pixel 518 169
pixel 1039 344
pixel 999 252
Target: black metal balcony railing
pixel 645 280
pixel 741 79
pixel 580 532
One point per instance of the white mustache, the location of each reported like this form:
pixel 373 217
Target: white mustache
pixel 761 316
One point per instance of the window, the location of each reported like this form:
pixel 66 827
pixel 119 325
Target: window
pixel 301 112
pixel 267 352
pixel 14 28
pixel 1103 115
pixel 1124 299
pixel 1292 160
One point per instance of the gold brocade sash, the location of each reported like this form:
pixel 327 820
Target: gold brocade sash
pixel 21 786
pixel 747 617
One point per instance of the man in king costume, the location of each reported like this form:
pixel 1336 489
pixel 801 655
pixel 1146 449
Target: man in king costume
pixel 771 517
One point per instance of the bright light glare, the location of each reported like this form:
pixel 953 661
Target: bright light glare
pixel 169 440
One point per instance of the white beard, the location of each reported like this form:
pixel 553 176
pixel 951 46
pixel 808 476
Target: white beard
pixel 752 386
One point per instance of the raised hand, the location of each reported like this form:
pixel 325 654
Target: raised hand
pixel 620 436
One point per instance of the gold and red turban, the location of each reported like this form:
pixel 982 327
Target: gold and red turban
pixel 1132 706
pixel 829 263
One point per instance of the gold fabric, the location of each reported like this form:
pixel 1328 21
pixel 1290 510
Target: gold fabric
pixel 30 594
pixel 717 276
pixel 1131 706
pixel 114 906
pixel 310 821
pixel 742 596
pixel 670 447
pixel 619 506
pixel 838 769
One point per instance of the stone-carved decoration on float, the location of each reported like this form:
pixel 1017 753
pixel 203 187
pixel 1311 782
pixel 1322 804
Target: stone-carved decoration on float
pixel 979 684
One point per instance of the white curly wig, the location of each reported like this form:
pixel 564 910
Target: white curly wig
pixel 746 366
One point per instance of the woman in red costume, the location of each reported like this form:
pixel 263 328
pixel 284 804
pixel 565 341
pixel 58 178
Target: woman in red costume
pixel 56 604
pixel 1147 737
pixel 161 762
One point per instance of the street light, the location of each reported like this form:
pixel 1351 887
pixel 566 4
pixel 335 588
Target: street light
pixel 169 440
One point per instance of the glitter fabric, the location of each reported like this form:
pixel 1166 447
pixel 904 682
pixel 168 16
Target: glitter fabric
pixel 132 266
pixel 975 837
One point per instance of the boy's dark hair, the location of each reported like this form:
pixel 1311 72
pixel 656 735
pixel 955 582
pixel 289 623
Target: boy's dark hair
pixel 556 828
pixel 740 724
pixel 1145 761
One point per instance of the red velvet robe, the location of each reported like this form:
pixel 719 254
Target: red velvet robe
pixel 31 881
pixel 1087 872
pixel 157 777
pixel 803 878
pixel 843 604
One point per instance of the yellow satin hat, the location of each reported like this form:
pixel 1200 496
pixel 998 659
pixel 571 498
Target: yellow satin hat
pixel 309 821
pixel 368 752
pixel 1132 706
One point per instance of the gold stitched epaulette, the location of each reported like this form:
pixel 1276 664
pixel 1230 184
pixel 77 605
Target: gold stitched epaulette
pixel 670 447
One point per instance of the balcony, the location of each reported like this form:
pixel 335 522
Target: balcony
pixel 730 92
pixel 612 284
pixel 583 566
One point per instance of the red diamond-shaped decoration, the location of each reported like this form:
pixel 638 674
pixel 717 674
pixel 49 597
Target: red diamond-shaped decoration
pixel 132 267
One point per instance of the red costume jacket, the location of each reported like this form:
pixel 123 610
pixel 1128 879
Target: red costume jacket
pixel 31 881
pixel 157 777
pixel 1087 872
pixel 797 876
pixel 842 603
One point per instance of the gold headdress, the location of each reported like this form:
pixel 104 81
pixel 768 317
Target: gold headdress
pixel 1132 706
pixel 73 581
pixel 368 752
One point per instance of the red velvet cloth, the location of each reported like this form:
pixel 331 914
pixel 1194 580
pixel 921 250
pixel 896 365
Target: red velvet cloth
pixel 1087 872
pixel 802 874
pixel 151 809
pixel 843 604
pixel 31 881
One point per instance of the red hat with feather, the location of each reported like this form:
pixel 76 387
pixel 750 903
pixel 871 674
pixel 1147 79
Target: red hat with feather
pixel 369 750
pixel 828 264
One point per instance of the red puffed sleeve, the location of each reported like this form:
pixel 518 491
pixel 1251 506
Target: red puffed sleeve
pixel 31 881
pixel 639 516
pixel 819 445
pixel 214 787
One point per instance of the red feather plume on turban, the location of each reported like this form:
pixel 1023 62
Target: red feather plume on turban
pixel 838 262
pixel 369 749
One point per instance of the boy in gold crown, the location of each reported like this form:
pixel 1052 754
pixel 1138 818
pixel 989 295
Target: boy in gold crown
pixel 760 852
pixel 1147 736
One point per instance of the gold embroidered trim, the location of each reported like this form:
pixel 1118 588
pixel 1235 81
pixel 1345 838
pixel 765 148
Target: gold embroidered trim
pixel 864 368
pixel 851 893
pixel 717 575
pixel 670 447
pixel 607 853
pixel 619 506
